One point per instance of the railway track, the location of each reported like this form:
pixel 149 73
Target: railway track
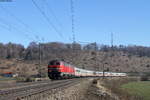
pixel 7 86
pixel 25 91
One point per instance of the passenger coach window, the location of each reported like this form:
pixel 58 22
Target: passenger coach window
pixel 78 70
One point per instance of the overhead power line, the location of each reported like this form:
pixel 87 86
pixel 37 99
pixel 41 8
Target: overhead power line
pixel 28 28
pixel 6 25
pixel 12 15
pixel 47 19
pixel 52 13
pixel 9 27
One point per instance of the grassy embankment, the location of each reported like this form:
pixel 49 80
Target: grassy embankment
pixel 115 86
pixel 141 89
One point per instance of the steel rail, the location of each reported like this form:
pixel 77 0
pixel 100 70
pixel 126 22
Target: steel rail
pixel 33 90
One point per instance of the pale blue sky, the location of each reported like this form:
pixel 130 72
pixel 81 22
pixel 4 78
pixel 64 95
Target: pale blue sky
pixel 129 20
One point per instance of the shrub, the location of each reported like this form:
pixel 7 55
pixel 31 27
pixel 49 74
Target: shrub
pixel 95 81
pixel 144 78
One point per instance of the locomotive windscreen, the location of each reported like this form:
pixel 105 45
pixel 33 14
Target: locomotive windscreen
pixel 54 62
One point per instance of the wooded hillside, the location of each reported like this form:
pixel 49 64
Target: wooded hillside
pixel 90 56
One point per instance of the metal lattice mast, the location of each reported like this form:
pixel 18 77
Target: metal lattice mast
pixel 73 20
pixel 112 40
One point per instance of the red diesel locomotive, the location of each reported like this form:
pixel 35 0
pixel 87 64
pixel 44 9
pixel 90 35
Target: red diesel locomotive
pixel 59 69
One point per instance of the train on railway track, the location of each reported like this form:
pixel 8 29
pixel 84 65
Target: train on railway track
pixel 58 69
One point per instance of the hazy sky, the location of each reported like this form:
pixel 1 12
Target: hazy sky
pixel 129 20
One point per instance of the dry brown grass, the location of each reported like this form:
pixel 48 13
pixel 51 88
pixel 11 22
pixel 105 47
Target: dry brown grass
pixel 20 67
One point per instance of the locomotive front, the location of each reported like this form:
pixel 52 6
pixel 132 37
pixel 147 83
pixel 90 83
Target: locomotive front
pixel 54 71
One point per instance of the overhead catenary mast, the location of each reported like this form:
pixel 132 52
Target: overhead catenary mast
pixel 112 40
pixel 73 30
pixel 73 20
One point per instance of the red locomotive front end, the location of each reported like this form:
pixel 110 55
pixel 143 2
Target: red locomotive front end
pixel 59 69
pixel 54 70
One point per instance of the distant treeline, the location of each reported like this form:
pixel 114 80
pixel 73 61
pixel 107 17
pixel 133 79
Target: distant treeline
pixel 57 49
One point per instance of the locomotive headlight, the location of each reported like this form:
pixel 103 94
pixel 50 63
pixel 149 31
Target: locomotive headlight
pixel 49 71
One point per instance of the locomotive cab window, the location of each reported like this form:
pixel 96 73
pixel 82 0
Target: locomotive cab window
pixel 54 63
pixel 57 63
